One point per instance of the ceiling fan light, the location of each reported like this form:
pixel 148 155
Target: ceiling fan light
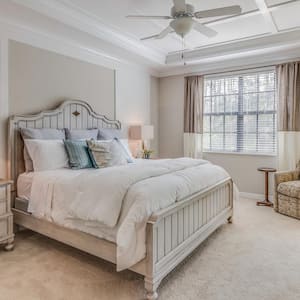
pixel 182 26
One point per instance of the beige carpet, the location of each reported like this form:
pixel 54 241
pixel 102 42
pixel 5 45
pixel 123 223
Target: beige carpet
pixel 256 257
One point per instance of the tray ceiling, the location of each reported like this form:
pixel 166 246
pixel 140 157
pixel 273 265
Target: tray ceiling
pixel 260 19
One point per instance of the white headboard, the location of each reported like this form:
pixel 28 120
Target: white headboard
pixel 72 114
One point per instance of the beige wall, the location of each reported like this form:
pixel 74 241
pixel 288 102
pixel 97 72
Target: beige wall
pixel 34 79
pixel 154 114
pixel 171 116
pixel 40 79
pixel 242 168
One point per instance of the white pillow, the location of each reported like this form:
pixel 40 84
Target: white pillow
pixel 125 146
pixel 47 154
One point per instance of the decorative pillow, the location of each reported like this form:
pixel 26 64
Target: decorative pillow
pixel 41 134
pixel 106 153
pixel 81 134
pixel 47 154
pixel 125 147
pixel 109 134
pixel 78 153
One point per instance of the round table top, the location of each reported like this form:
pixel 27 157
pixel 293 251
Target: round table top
pixel 266 169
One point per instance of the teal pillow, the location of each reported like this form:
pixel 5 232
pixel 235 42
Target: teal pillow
pixel 78 153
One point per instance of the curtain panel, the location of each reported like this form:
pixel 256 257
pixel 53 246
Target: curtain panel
pixel 288 89
pixel 193 116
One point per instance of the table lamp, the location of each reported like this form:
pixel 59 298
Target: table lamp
pixel 141 132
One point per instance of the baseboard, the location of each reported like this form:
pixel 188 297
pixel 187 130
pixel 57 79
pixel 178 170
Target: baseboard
pixel 254 196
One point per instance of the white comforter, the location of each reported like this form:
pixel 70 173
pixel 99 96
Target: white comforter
pixel 120 198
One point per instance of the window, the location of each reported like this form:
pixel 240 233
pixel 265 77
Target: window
pixel 240 113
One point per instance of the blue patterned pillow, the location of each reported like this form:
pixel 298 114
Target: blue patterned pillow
pixel 79 157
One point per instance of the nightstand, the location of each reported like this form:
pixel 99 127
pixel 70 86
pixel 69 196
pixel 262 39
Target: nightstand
pixel 6 216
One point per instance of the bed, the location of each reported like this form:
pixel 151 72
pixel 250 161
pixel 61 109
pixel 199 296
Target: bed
pixel 167 235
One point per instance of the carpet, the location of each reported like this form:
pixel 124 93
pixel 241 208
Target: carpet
pixel 256 257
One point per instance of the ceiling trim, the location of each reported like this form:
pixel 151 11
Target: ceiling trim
pixel 81 20
pixel 253 49
pixel 10 29
pixel 258 43
pixel 69 13
pixel 263 8
pixel 232 62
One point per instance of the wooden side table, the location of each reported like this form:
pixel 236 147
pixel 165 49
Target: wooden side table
pixel 266 202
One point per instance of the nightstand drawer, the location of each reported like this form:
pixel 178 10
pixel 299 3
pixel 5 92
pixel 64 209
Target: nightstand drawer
pixel 4 227
pixel 3 207
pixel 3 192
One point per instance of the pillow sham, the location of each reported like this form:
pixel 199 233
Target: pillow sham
pixel 109 133
pixel 42 134
pixel 78 154
pixel 106 153
pixel 47 154
pixel 81 134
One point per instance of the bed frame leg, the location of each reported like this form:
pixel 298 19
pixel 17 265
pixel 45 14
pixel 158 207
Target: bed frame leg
pixel 229 219
pixel 10 245
pixel 151 288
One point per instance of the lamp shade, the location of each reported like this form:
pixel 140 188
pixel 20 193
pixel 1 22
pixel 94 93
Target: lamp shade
pixel 141 132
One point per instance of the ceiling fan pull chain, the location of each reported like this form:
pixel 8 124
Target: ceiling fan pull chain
pixel 183 48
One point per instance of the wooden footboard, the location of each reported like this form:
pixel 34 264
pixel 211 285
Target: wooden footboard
pixel 173 233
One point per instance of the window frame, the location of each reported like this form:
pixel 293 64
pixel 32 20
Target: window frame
pixel 241 114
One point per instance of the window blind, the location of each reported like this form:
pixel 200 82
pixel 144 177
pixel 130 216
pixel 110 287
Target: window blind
pixel 240 113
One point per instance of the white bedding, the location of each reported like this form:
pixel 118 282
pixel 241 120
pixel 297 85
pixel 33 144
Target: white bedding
pixel 24 185
pixel 115 203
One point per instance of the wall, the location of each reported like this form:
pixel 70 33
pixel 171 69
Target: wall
pixel 134 86
pixel 154 114
pixel 242 168
pixel 171 116
pixel 40 79
pixel 137 102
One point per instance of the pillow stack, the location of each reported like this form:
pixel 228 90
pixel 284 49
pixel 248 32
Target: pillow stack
pixel 50 149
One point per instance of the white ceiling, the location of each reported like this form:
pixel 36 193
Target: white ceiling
pixel 260 20
pixel 113 12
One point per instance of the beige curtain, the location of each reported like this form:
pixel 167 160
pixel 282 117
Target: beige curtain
pixel 193 116
pixel 288 89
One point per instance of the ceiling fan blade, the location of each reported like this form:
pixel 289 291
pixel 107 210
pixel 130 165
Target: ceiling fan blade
pixel 179 5
pixel 141 17
pixel 204 29
pixel 149 37
pixel 222 11
pixel 161 35
pixel 165 32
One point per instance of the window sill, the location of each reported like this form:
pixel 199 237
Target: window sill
pixel 241 153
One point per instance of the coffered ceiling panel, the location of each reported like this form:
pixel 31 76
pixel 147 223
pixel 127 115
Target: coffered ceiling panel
pixel 113 13
pixel 231 30
pixel 287 16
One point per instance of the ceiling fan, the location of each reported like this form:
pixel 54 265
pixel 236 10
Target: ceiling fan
pixel 183 19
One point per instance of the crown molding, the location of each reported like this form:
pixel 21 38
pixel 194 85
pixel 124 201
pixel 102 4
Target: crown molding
pixel 73 16
pixel 233 62
pixel 255 51
pixel 10 30
pixel 229 48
